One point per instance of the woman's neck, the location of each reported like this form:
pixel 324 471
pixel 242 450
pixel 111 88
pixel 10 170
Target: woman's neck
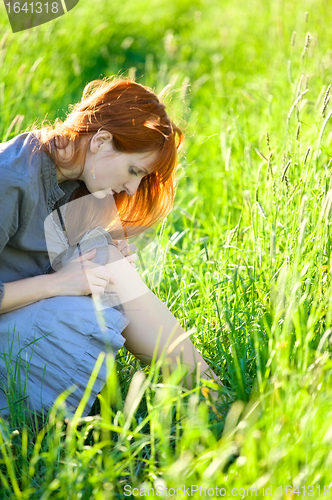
pixel 63 154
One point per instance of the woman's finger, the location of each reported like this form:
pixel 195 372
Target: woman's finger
pixel 132 257
pixel 85 256
pixel 125 247
pixel 133 248
pixel 102 272
pixel 100 282
pixel 120 243
pixel 108 275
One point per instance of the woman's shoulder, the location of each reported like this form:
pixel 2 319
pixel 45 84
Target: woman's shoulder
pixel 17 157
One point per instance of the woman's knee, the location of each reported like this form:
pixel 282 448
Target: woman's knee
pixel 128 283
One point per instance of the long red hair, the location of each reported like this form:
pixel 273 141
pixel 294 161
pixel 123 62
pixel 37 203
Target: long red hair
pixel 138 122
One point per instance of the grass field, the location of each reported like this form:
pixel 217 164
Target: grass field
pixel 247 250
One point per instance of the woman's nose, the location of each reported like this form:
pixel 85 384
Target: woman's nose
pixel 132 186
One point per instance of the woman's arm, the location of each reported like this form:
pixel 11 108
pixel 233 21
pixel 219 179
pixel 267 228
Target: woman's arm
pixel 72 279
pixel 24 292
pixel 68 281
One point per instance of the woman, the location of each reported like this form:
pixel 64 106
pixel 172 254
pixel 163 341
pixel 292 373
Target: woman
pixel 109 166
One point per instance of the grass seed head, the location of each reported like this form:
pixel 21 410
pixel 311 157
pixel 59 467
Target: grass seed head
pixel 300 84
pixel 327 95
pixel 306 155
pixel 293 38
pixel 326 100
pixel 306 81
pixel 284 176
pixel 306 45
pixel 268 141
pixel 307 40
pixel 325 105
pixel 287 183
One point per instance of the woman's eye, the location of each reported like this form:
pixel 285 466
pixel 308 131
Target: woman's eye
pixel 132 171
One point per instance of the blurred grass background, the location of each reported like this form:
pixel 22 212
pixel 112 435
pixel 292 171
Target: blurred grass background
pixel 247 246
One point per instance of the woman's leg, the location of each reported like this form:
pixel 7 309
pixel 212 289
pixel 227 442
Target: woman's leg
pixel 148 315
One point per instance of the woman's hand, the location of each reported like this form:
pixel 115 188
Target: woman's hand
pixel 128 250
pixel 82 277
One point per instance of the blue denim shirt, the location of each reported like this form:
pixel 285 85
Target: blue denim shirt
pixel 28 192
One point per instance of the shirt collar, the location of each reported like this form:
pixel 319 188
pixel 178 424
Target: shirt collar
pixel 53 191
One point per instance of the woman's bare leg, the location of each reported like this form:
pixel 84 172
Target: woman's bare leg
pixel 150 317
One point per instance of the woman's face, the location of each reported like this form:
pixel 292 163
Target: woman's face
pixel 107 171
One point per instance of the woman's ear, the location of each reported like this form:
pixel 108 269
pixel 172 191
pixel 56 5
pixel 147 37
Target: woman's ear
pixel 100 138
pixel 105 137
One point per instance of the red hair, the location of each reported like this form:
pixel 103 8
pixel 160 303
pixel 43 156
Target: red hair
pixel 138 122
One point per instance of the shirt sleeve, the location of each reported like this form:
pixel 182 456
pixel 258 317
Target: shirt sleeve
pixel 2 291
pixel 10 195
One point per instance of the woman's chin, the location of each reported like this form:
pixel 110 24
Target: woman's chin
pixel 100 194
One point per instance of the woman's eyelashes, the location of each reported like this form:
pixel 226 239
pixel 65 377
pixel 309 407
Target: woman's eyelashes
pixel 132 171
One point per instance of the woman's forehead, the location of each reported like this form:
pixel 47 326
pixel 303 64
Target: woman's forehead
pixel 144 160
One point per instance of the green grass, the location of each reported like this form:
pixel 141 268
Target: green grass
pixel 247 247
